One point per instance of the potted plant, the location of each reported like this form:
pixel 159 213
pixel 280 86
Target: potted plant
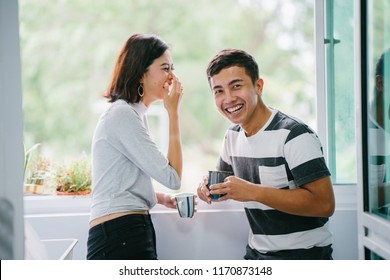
pixel 74 178
pixel 35 171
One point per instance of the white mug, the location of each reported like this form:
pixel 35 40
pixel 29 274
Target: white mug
pixel 185 204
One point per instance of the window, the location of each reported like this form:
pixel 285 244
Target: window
pixel 68 49
pixel 339 47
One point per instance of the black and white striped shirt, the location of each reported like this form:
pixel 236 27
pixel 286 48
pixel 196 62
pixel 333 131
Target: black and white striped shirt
pixel 284 154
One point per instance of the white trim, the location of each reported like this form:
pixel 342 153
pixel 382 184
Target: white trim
pixel 358 125
pixel 319 34
pixel 51 204
pixel 377 238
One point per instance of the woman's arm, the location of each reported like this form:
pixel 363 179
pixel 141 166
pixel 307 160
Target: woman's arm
pixel 172 102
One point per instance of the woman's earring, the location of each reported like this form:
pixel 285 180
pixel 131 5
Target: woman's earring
pixel 140 90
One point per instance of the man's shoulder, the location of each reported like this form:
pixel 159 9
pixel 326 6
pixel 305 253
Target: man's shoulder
pixel 234 127
pixel 288 122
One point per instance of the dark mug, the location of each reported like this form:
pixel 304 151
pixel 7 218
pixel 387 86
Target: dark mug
pixel 216 177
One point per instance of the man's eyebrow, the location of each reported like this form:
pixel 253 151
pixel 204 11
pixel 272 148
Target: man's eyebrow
pixel 235 81
pixel 229 84
pixel 217 87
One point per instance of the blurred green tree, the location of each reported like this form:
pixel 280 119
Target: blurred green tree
pixel 68 50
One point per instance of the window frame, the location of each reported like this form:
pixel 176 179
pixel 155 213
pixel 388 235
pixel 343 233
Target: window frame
pixel 348 193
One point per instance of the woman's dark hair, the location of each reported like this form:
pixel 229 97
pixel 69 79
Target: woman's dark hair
pixel 132 63
pixel 233 57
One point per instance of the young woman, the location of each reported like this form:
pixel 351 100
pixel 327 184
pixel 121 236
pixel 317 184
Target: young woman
pixel 124 157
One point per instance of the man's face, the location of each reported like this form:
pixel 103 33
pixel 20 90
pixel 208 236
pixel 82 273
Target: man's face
pixel 235 96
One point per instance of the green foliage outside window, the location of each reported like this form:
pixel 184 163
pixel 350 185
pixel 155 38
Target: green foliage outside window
pixel 68 49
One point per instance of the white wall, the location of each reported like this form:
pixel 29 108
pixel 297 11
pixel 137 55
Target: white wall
pixel 11 134
pixel 215 232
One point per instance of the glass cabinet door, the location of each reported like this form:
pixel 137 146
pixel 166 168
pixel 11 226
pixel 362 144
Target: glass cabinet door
pixel 378 107
pixel 374 164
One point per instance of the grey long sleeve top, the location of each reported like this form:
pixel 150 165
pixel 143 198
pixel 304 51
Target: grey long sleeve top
pixel 124 161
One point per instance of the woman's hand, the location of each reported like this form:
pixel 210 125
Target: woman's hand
pixel 172 99
pixel 166 199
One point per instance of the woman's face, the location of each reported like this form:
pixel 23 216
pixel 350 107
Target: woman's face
pixel 157 79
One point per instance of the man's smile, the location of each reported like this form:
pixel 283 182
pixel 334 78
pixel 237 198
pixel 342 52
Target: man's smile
pixel 234 108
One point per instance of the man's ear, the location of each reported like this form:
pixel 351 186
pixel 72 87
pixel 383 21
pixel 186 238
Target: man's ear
pixel 259 86
pixel 379 83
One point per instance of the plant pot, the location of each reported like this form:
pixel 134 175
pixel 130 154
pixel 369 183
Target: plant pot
pixel 28 188
pixel 33 189
pixel 85 192
pixel 39 189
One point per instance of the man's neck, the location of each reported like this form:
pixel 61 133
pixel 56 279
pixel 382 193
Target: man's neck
pixel 259 119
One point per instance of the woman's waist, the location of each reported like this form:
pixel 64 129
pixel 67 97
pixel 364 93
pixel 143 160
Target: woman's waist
pixel 107 206
pixel 112 216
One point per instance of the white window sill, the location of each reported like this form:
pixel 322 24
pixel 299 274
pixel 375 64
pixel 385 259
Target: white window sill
pixel 55 205
pixel 58 205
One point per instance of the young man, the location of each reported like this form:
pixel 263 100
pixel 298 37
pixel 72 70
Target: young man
pixel 279 170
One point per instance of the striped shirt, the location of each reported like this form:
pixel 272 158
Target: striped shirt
pixel 284 154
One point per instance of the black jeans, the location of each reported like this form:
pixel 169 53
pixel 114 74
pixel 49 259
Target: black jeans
pixel 315 253
pixel 130 237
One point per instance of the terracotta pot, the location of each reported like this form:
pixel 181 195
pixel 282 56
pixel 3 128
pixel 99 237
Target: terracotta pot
pixel 33 189
pixel 28 188
pixel 85 192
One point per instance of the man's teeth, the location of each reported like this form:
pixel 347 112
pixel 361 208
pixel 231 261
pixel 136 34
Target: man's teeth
pixel 234 109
